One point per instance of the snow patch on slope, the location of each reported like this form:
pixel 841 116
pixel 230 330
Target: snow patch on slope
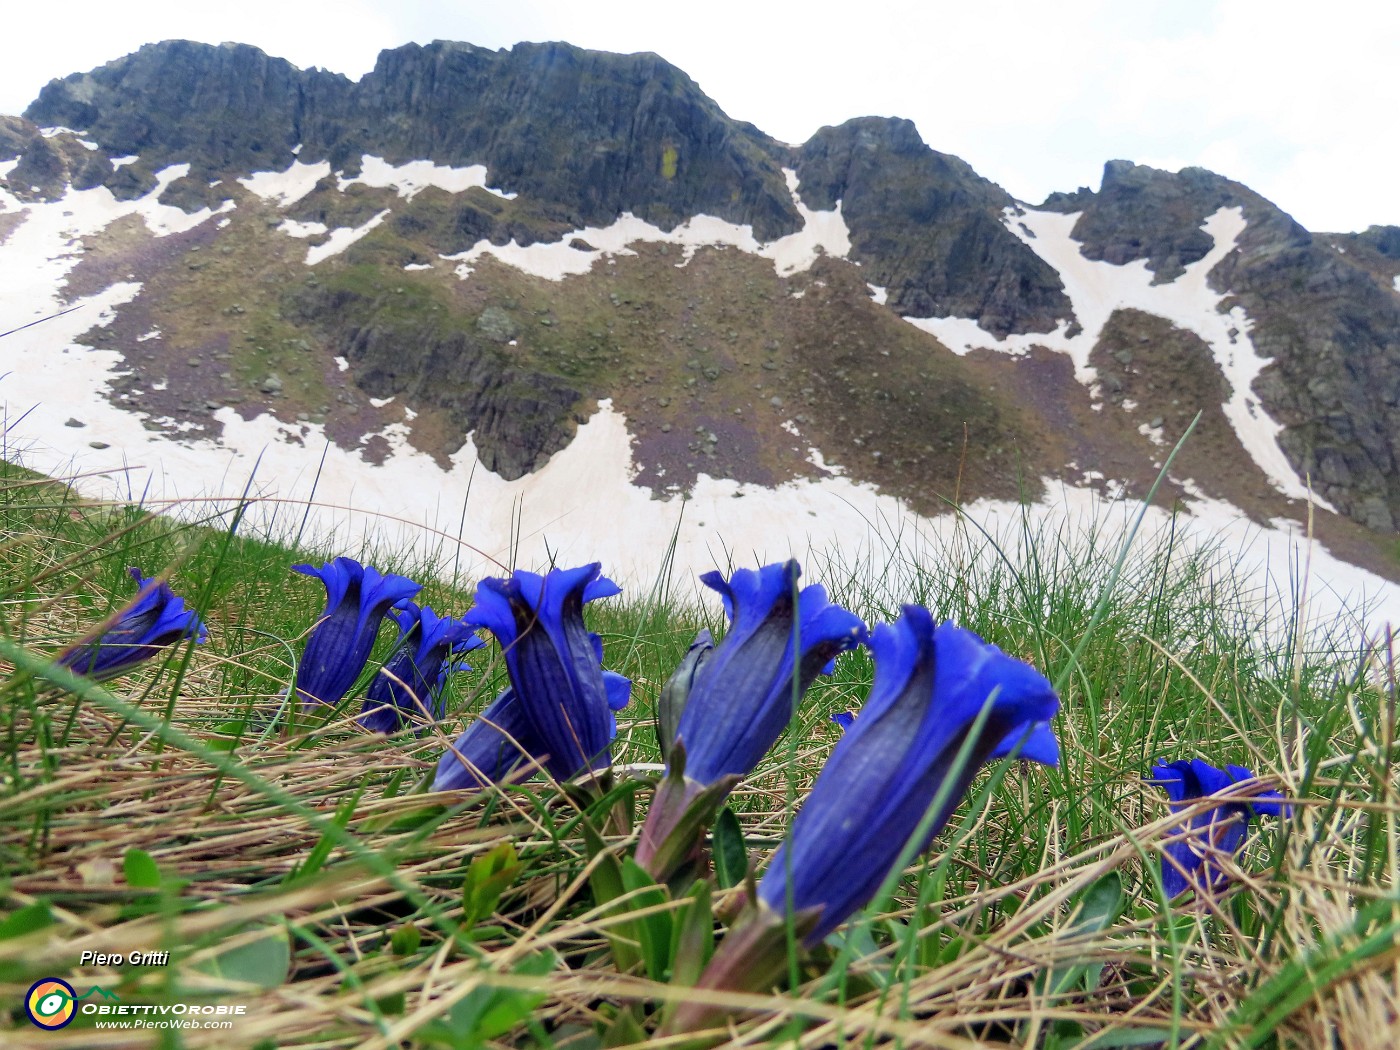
pixel 1097 289
pixel 37 256
pixel 341 238
pixel 412 178
pixel 286 187
pixel 822 232
pixel 302 230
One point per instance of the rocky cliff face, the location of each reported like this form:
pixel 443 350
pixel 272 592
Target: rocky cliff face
pixel 928 228
pixel 1324 309
pixel 398 345
pixel 584 135
pixel 591 133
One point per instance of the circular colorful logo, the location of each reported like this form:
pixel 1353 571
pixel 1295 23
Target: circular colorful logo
pixel 49 1003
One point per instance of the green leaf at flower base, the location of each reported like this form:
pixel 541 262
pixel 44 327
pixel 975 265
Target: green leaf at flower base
pixel 392 1004
pixel 867 965
pixel 488 876
pixel 487 1012
pixel 1100 905
pixel 693 936
pixel 228 734
pixel 405 821
pixel 624 1030
pixel 730 854
pixel 652 932
pixel 1122 1038
pixel 405 940
pixel 605 883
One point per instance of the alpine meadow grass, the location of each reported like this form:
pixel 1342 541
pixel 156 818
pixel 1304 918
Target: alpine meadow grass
pixel 298 865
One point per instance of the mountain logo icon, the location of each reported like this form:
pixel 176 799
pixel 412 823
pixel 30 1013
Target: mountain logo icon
pixel 98 990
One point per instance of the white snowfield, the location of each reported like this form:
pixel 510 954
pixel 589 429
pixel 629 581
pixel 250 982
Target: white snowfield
pixel 1097 289
pixel 38 254
pixel 412 178
pixel 284 188
pixel 822 232
pixel 303 230
pixel 581 506
pixel 341 238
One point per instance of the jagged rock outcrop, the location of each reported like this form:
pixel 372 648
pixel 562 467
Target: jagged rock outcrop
pixel 928 227
pixel 597 133
pixel 399 346
pixel 1330 324
pixel 1143 213
pixel 47 166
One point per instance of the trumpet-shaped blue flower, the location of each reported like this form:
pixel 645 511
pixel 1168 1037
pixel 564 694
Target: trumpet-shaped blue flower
pixel 741 699
pixel 409 688
pixel 1034 744
pixel 553 662
pixel 501 739
pixel 1193 862
pixel 937 692
pixel 496 742
pixel 154 619
pixel 899 752
pixel 357 599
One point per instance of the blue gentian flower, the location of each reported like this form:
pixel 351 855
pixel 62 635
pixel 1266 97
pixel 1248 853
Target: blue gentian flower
pixel 898 756
pixel 408 691
pixel 357 599
pixel 498 741
pixel 154 619
pixel 742 697
pixel 1034 744
pixel 554 663
pixel 1193 862
pixel 501 739
pixel 930 686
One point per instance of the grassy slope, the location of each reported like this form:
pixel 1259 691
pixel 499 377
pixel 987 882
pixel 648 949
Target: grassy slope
pixel 247 853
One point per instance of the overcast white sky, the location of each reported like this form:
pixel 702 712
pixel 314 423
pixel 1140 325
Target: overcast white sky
pixel 1298 101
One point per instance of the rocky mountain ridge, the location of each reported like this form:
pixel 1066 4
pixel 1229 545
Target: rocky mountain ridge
pixel 711 360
